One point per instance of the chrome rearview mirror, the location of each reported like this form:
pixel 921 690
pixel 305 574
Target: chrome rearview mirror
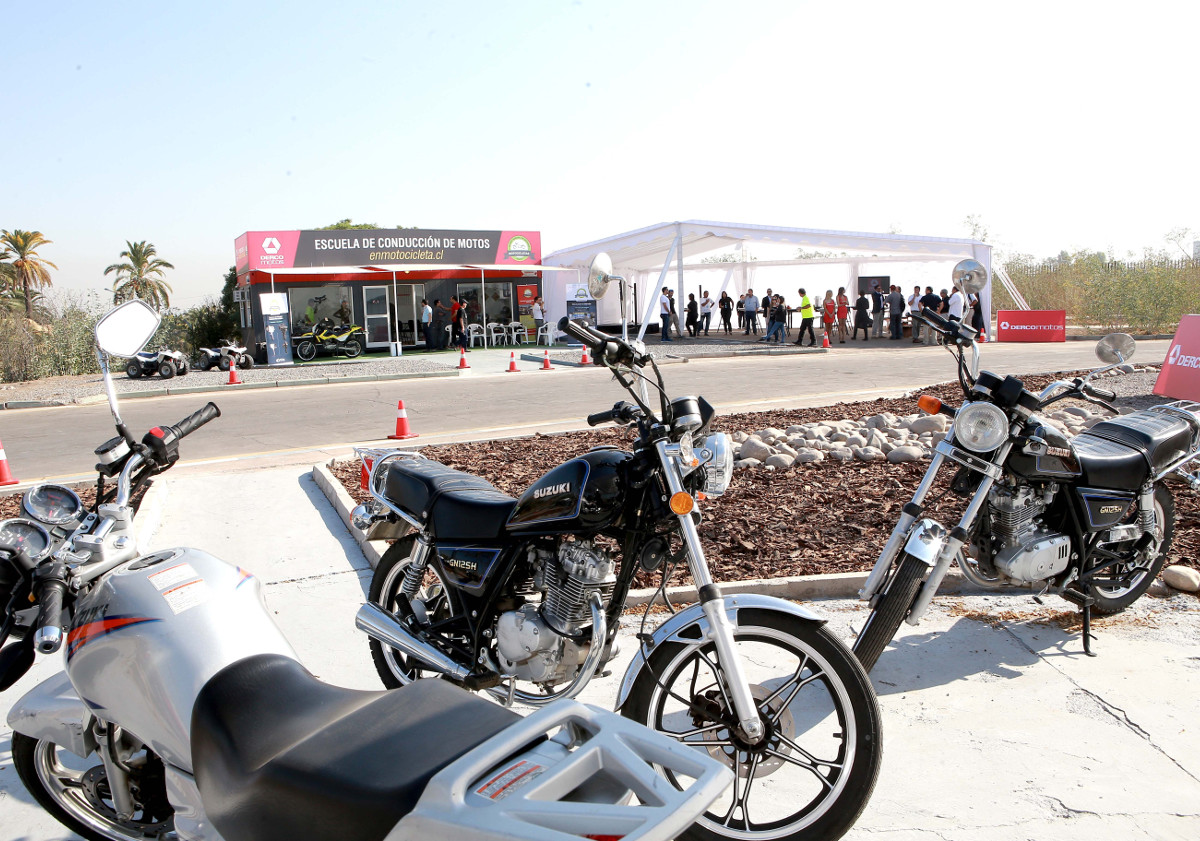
pixel 970 276
pixel 599 275
pixel 127 328
pixel 1115 348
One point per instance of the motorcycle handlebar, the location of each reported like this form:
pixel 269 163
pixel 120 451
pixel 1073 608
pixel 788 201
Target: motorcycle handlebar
pixel 197 419
pixel 935 319
pixel 584 332
pixel 600 417
pixel 51 589
pixel 1102 393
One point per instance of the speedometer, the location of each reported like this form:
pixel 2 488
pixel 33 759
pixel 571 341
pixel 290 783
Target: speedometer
pixel 24 534
pixel 53 504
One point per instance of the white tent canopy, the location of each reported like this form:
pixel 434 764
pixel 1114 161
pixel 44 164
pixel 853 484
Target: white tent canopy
pixel 646 256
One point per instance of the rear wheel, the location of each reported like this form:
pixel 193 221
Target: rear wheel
pixel 353 348
pixel 166 369
pixel 133 370
pixel 1126 582
pixel 246 362
pixel 306 350
pixel 76 792
pixel 889 611
pixel 394 668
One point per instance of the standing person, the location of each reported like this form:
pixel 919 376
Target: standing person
pixel 862 316
pixel 538 311
pixel 843 312
pixel 741 311
pixel 440 313
pixel 427 324
pixel 976 313
pixel 876 312
pixel 706 310
pixel 726 307
pixel 766 305
pixel 828 313
pixel 778 315
pixel 693 316
pixel 664 312
pixel 896 312
pixel 914 309
pixel 806 320
pixel 458 324
pixel 751 310
pixel 675 314
pixel 956 304
pixel 945 307
pixel 930 301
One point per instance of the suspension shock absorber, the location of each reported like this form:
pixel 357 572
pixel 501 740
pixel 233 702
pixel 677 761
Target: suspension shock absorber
pixel 416 569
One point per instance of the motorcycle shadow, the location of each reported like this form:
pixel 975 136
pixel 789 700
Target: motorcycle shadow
pixel 331 523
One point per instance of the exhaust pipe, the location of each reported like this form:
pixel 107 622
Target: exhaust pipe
pixel 378 624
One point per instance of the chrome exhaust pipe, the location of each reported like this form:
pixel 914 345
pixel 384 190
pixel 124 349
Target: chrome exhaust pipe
pixel 378 624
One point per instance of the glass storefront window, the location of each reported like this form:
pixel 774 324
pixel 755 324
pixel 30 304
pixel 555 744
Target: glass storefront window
pixel 310 304
pixel 498 302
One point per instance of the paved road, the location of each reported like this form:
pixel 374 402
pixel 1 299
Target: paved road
pixel 307 422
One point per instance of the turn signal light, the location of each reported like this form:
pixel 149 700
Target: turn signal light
pixel 682 503
pixel 929 404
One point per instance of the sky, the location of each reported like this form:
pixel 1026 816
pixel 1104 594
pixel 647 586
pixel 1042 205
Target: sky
pixel 1060 125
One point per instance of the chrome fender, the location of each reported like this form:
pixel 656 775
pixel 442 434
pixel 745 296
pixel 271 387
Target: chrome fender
pixel 691 627
pixel 52 711
pixel 926 541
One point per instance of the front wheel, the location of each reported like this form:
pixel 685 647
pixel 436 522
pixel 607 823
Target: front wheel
pixel 166 369
pixel 76 792
pixel 889 611
pixel 306 350
pixel 1124 583
pixel 394 668
pixel 133 370
pixel 246 362
pixel 822 748
pixel 224 363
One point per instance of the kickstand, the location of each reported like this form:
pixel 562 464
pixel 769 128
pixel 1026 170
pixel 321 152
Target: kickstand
pixel 1087 627
pixel 512 691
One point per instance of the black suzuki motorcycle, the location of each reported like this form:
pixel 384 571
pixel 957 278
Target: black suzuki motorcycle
pixel 1090 519
pixel 521 598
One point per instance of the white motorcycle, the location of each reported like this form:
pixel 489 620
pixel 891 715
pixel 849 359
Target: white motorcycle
pixel 184 713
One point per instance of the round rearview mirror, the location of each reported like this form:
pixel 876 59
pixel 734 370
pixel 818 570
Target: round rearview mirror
pixel 970 276
pixel 598 274
pixel 1115 348
pixel 127 328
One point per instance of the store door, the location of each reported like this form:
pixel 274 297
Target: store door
pixel 381 314
pixel 377 314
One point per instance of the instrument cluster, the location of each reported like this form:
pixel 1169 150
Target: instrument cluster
pixel 46 507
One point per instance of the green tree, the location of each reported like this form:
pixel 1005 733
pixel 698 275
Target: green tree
pixel 349 225
pixel 30 270
pixel 141 276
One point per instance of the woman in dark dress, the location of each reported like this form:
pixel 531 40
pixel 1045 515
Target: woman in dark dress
pixel 726 307
pixel 693 315
pixel 862 316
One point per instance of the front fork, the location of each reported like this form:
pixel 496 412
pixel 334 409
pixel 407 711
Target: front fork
pixel 721 628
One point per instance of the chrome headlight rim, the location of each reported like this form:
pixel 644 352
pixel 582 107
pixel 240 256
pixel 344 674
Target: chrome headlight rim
pixel 716 455
pixel 968 432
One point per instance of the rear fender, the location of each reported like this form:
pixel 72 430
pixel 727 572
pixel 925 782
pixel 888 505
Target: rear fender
pixel 691 627
pixel 52 711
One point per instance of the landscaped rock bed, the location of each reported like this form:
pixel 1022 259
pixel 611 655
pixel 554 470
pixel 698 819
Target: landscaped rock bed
pixel 831 514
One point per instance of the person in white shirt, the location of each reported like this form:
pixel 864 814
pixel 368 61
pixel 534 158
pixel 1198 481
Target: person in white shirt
pixel 914 309
pixel 538 311
pixel 427 324
pixel 664 312
pixel 706 311
pixel 956 305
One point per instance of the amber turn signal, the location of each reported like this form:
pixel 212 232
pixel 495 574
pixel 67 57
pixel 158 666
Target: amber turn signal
pixel 682 503
pixel 929 404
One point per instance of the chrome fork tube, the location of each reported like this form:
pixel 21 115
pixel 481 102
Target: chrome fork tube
pixel 721 629
pixel 118 781
pixel 899 533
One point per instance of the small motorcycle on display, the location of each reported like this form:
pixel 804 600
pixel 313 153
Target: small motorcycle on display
pixel 522 598
pixel 166 363
pixel 224 357
pixel 345 339
pixel 1090 519
pixel 184 713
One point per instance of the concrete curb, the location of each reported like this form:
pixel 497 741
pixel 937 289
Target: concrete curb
pixel 342 503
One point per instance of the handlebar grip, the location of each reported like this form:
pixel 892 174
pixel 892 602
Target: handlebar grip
pixel 1102 393
pixel 48 637
pixel 934 318
pixel 197 419
pixel 600 417
pixel 582 331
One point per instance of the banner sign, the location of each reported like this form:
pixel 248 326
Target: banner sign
pixel 267 250
pixel 1180 374
pixel 276 328
pixel 580 304
pixel 1031 325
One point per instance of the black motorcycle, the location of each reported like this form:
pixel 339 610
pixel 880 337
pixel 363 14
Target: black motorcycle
pixel 522 597
pixel 1090 519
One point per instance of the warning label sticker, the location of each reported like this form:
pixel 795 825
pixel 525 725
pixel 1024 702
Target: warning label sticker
pixel 186 596
pixel 171 576
pixel 511 779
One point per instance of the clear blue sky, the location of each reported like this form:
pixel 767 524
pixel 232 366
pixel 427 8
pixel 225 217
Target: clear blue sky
pixel 1061 124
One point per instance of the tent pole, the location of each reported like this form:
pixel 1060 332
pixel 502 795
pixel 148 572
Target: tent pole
pixel 482 305
pixel 396 309
pixel 652 298
pixel 272 283
pixel 679 305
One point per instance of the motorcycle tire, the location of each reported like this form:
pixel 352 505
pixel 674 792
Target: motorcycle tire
pixel 133 370
pixel 246 362
pixel 353 348
pixel 306 350
pixel 166 369
pixel 223 363
pixel 829 689
pixel 394 668
pixel 58 789
pixel 202 365
pixel 1111 600
pixel 889 610
pixel 181 369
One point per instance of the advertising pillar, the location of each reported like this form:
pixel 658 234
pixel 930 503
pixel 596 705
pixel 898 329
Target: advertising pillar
pixel 276 329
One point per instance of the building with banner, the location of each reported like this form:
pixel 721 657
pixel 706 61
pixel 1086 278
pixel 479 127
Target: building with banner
pixel 377 279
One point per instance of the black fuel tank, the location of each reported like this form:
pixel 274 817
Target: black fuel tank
pixel 1062 465
pixel 583 495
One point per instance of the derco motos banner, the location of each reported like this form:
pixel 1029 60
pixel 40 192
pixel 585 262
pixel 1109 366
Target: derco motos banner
pixel 1180 374
pixel 267 250
pixel 1031 325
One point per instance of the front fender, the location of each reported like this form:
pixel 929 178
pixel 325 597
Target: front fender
pixel 926 541
pixel 690 627
pixel 52 711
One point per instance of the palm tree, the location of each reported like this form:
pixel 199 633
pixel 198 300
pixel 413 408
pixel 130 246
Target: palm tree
pixel 142 276
pixel 13 301
pixel 28 268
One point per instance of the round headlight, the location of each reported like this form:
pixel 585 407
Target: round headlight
pixel 716 454
pixel 981 427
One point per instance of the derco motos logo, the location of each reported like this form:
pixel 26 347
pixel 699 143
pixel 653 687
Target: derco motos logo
pixel 1183 360
pixel 270 245
pixel 271 256
pixel 1004 325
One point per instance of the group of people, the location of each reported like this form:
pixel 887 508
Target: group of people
pixel 699 313
pixel 433 323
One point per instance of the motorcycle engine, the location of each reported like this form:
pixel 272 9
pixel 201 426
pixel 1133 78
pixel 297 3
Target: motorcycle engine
pixel 535 642
pixel 1027 551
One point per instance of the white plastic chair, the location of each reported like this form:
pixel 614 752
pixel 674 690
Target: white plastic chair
pixel 517 333
pixel 497 333
pixel 474 333
pixel 547 333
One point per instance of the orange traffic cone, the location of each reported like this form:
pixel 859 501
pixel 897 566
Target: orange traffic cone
pixel 6 477
pixel 512 364
pixel 546 363
pixel 402 423
pixel 585 360
pixel 825 340
pixel 233 375
pixel 983 335
pixel 462 358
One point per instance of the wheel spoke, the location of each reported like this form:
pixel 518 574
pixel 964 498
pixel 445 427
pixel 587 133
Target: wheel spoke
pixel 697 731
pixel 718 676
pixel 793 679
pixel 807 755
pixel 806 766
pixel 737 779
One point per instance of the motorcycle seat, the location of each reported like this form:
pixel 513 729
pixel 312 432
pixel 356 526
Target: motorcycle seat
pixel 147 357
pixel 1109 464
pixel 278 755
pixel 455 504
pixel 1163 438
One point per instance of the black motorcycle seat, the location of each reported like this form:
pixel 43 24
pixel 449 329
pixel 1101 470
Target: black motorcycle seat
pixel 278 755
pixel 1110 464
pixel 1161 436
pixel 456 505
pixel 148 357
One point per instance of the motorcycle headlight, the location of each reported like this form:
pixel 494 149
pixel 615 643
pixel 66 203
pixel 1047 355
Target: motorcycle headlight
pixel 716 455
pixel 981 427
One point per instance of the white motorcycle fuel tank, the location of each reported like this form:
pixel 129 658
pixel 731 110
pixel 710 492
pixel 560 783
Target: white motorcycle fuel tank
pixel 145 640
